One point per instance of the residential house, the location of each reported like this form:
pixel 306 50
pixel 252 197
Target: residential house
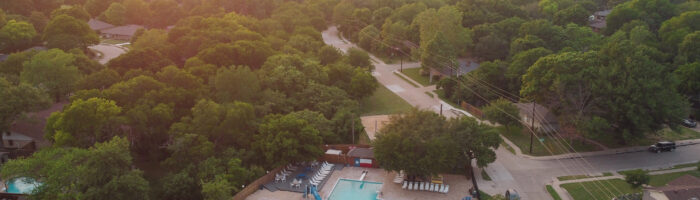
pixel 11 140
pixel 545 121
pixel 465 66
pixel 97 25
pixel 686 187
pixel 597 20
pixel 125 32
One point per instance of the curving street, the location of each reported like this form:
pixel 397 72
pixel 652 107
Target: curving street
pixel 108 52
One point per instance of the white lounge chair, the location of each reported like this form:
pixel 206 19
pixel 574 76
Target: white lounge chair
pixel 405 184
pixel 425 186
pixel 410 185
pixel 444 191
pixel 431 186
pixel 435 189
pixel 440 188
pixel 422 186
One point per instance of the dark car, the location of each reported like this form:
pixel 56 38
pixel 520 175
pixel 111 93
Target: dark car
pixel 662 146
pixel 689 123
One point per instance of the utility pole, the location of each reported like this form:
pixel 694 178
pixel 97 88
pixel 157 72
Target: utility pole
pixel 401 64
pixel 532 125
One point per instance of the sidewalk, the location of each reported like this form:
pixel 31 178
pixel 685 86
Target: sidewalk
pixel 592 153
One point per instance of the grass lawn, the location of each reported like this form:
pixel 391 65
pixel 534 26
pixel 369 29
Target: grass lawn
pixel 414 73
pixel 576 189
pixel 552 192
pixel 522 140
pixel 113 41
pixel 383 102
pixel 404 79
pixel 663 179
pixel 441 95
pixel 599 189
pixel 430 94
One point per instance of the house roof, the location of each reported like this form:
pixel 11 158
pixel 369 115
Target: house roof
pixel 540 111
pixel 16 137
pixel 98 25
pixel 597 24
pixel 602 13
pixel 684 187
pixel 465 66
pixel 361 153
pixel 127 30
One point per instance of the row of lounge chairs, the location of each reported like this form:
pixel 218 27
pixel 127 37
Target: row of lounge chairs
pixel 424 186
pixel 282 176
pixel 324 171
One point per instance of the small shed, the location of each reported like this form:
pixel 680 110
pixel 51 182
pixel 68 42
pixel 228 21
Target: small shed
pixel 362 157
pixel 334 156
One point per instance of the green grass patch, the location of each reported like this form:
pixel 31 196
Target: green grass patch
pixel 575 177
pixel 113 41
pixel 441 95
pixel 655 170
pixel 522 140
pixel 552 192
pixel 663 179
pixel 414 73
pixel 383 102
pixel 508 147
pixel 405 79
pixel 485 196
pixel 430 94
pixel 485 175
pixel 599 189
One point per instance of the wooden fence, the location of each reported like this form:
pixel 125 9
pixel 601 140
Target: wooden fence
pixel 473 110
pixel 257 184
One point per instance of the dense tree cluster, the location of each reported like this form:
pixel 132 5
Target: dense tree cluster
pixel 210 104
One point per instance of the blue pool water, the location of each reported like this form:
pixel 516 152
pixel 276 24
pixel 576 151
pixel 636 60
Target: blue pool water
pixel 355 190
pixel 21 186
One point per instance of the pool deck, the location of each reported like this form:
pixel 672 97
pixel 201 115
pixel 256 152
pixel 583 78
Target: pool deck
pixel 459 187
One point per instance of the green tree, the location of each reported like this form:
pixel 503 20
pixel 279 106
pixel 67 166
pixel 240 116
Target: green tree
pixel 474 139
pixel 286 139
pixel 637 178
pixel 329 54
pixel 222 124
pixel 66 32
pixel 18 99
pixel 100 172
pixel 74 11
pixel 146 59
pixel 438 54
pixel 165 13
pixel 520 63
pixel 690 47
pixel 620 15
pixel 16 36
pixel 491 47
pixel 503 112
pixel 362 84
pixel 416 142
pixel 3 18
pixel 369 38
pixel 448 21
pixel 83 123
pixel 236 83
pixel 525 43
pixel 52 70
pixel 137 12
pixel 96 7
pixel 115 14
pixel 99 80
pixel 689 78
pixel 575 14
pixel 359 58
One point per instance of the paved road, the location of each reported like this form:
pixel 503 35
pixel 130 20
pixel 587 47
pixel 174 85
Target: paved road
pixel 384 74
pixel 109 52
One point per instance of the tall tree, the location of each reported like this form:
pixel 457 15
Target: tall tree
pixel 84 122
pixel 66 32
pixel 115 14
pixel 503 112
pixel 474 138
pixel 52 70
pixel 74 11
pixel 18 99
pixel 137 12
pixel 285 139
pixel 100 172
pixel 236 83
pixel 416 142
pixel 16 36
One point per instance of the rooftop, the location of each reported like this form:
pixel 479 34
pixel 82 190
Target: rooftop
pixel 361 153
pixel 602 13
pixel 98 25
pixel 540 110
pixel 128 30
pixel 597 24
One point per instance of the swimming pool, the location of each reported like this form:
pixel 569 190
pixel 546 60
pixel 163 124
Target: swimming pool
pixel 21 185
pixel 347 189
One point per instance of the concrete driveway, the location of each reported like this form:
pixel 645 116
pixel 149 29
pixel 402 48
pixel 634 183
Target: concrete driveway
pixel 108 52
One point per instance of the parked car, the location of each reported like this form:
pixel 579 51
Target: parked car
pixel 662 146
pixel 690 123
